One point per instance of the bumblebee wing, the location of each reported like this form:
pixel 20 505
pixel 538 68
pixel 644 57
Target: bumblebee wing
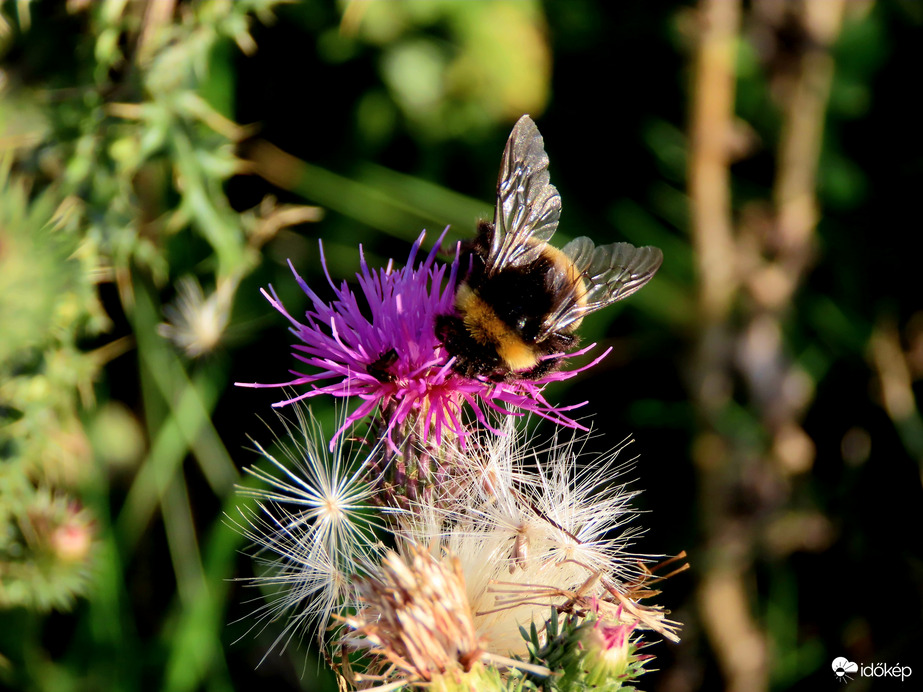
pixel 528 205
pixel 609 272
pixel 612 272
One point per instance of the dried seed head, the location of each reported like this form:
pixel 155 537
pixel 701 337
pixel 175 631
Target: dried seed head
pixel 415 617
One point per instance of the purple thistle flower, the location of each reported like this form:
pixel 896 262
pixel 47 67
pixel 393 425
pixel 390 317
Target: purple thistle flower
pixel 393 360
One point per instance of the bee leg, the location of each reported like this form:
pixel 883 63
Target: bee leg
pixel 559 343
pixel 537 372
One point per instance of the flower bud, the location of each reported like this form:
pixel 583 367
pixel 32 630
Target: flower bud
pixel 612 656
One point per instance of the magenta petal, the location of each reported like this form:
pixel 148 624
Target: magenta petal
pixel 341 340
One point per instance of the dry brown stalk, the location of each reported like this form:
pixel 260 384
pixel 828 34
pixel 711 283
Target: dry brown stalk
pixel 769 260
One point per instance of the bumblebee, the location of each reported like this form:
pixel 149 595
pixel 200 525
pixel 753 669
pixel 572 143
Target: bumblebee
pixel 522 299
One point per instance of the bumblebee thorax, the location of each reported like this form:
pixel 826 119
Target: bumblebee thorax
pixel 487 328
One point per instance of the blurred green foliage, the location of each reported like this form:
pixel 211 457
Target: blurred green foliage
pixel 148 146
pixel 113 171
pixel 47 301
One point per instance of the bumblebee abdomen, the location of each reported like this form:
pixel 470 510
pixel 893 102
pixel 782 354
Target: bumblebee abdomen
pixel 572 286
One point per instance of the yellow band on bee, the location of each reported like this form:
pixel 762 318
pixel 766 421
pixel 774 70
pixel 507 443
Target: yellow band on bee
pixel 487 329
